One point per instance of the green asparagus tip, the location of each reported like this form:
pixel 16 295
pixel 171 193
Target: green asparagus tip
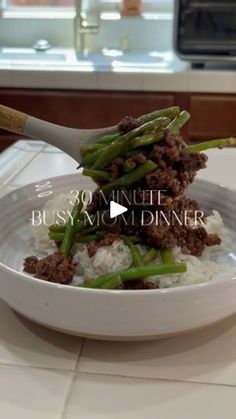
pixel 206 145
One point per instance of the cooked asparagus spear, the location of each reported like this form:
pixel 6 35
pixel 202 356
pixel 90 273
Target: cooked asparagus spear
pixel 135 253
pixel 97 175
pixel 70 232
pixel 124 143
pixel 175 126
pixel 131 177
pixel 206 145
pixel 136 273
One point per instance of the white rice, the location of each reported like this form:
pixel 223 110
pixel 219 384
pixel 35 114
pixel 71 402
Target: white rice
pixel 62 202
pixel 107 259
pixel 199 269
pixel 117 256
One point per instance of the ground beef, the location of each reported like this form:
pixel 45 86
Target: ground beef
pixel 155 199
pixel 94 205
pixel 106 241
pixel 170 180
pixel 174 145
pixel 52 268
pixel 168 235
pixel 183 203
pixel 191 240
pixel 160 236
pixel 127 124
pixel 119 164
pixel 116 167
pixel 30 264
pixel 137 158
pixel 168 150
pixel 176 167
pixel 213 240
pixel 193 162
pixel 176 170
pixel 161 179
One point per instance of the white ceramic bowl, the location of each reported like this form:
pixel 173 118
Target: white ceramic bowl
pixel 102 314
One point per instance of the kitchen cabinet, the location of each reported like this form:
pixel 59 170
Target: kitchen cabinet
pixel 83 109
pixel 212 115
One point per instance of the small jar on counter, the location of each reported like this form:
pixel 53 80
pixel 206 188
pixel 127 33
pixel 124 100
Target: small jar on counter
pixel 131 7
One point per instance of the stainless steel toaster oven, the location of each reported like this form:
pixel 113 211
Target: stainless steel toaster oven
pixel 205 31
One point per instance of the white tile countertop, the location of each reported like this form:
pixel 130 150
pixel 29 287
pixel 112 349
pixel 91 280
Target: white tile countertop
pixel 45 374
pixel 153 71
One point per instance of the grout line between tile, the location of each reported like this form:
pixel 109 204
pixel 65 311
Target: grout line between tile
pixel 75 373
pixel 161 380
pixel 23 167
pixel 133 377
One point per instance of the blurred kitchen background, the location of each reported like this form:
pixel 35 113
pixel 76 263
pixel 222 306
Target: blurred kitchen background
pixel 87 63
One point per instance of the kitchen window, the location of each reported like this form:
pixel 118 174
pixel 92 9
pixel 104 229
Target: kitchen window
pixel 22 22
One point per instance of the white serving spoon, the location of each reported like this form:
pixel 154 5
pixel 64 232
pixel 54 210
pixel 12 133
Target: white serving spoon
pixel 68 140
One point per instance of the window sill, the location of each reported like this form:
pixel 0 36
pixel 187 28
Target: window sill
pixel 110 59
pixel 97 74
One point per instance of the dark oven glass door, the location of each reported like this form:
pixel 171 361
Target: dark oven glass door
pixel 207 27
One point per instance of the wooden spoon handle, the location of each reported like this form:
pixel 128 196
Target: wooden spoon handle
pixel 12 120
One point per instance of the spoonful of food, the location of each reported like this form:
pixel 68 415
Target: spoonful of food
pixel 71 140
